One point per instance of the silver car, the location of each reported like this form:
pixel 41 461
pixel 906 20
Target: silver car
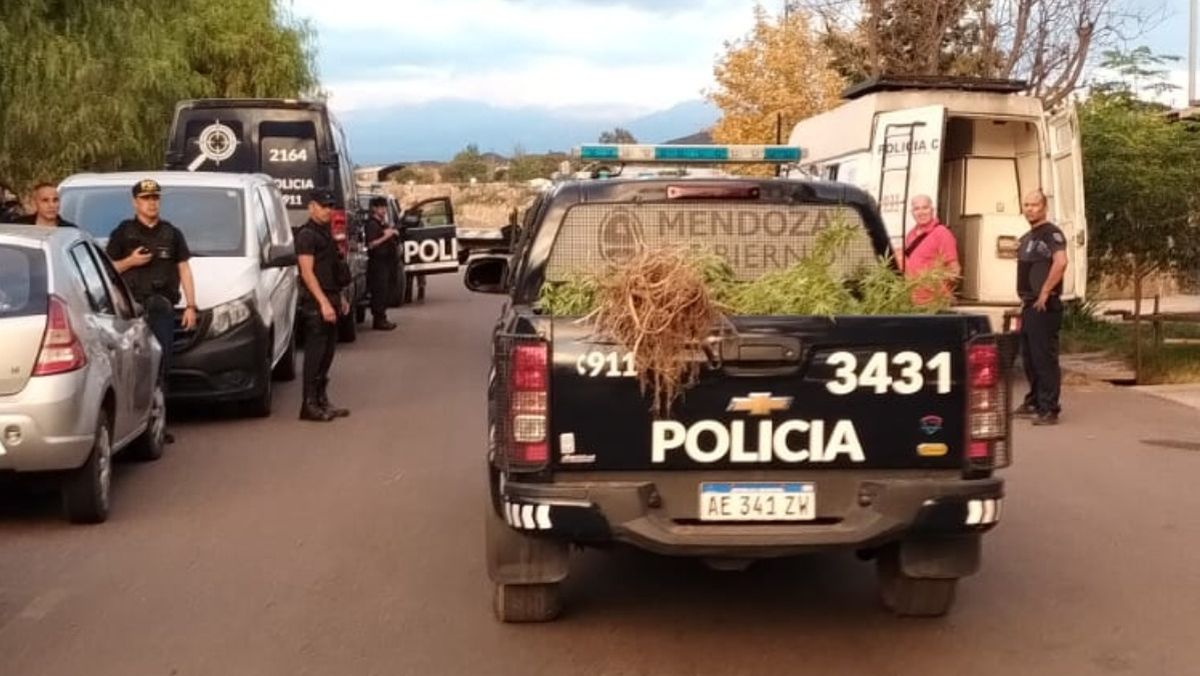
pixel 78 366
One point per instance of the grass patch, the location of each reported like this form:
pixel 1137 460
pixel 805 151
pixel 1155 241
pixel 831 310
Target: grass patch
pixel 1163 364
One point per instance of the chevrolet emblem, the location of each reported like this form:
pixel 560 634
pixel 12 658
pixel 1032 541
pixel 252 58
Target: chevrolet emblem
pixel 759 403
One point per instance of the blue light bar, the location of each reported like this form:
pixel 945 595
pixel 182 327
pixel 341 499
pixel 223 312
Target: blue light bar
pixel 667 154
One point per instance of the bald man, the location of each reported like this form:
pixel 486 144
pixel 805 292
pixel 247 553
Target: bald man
pixel 1041 265
pixel 46 204
pixel 928 246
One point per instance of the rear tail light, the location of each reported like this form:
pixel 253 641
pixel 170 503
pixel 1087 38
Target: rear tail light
pixel 987 407
pixel 337 226
pixel 61 350
pixel 527 447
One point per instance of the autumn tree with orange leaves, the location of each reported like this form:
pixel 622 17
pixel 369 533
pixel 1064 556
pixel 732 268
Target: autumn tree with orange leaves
pixel 778 74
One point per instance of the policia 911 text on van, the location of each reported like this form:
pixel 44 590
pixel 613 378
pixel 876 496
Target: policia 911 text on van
pixel 297 143
pixel 877 434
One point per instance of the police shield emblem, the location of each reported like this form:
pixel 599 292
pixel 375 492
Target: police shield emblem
pixel 620 236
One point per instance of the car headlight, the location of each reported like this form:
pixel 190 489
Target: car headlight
pixel 226 316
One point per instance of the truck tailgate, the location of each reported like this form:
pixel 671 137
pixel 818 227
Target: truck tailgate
pixel 795 392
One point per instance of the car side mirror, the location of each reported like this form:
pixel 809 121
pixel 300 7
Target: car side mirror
pixel 280 256
pixel 487 274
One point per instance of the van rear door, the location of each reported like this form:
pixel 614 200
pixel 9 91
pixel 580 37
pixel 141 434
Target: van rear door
pixel 1067 203
pixel 906 160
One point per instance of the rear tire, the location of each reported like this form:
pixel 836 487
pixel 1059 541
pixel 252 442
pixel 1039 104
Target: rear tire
pixel 912 596
pixel 150 445
pixel 86 491
pixel 285 370
pixel 526 602
pixel 347 329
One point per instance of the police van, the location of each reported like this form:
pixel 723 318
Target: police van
pixel 875 434
pixel 975 147
pixel 300 145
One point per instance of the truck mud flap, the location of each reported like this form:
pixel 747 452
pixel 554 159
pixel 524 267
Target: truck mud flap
pixel 515 558
pixel 949 557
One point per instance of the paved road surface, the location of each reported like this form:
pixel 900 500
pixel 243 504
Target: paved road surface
pixel 275 547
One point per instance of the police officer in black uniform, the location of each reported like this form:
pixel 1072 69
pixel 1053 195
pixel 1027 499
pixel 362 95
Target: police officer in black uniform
pixel 1041 264
pixel 152 256
pixel 383 258
pixel 323 276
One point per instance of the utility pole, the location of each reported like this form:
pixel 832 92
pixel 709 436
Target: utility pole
pixel 1192 54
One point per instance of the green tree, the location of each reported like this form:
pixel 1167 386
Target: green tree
pixel 91 86
pixel 617 135
pixel 526 167
pixel 1141 178
pixel 468 164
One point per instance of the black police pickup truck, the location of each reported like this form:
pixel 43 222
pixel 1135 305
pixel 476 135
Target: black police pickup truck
pixel 876 434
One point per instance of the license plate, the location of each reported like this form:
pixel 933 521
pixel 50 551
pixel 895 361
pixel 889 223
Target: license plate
pixel 758 501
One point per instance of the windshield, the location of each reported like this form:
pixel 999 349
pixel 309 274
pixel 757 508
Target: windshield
pixel 22 281
pixel 211 219
pixel 754 239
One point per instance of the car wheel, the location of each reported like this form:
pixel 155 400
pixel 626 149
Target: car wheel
pixel 912 596
pixel 260 405
pixel 285 370
pixel 150 445
pixel 86 490
pixel 347 329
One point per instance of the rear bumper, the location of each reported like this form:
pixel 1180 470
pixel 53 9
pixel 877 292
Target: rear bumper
pixel 226 368
pixel 660 513
pixel 53 422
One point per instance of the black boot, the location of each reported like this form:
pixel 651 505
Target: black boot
pixel 382 324
pixel 311 410
pixel 323 401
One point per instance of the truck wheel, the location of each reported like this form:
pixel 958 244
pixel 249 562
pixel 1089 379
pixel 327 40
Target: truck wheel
pixel 347 329
pixel 285 370
pixel 912 596
pixel 525 571
pixel 527 602
pixel 149 446
pixel 86 490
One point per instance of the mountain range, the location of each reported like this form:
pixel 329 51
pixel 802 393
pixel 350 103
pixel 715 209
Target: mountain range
pixel 438 129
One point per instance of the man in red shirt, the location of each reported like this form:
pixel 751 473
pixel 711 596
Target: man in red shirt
pixel 928 246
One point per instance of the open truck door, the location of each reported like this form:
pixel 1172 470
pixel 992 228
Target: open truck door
pixel 906 160
pixel 430 237
pixel 1066 198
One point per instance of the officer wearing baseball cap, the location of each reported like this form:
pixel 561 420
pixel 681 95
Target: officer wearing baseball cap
pixel 323 274
pixel 152 256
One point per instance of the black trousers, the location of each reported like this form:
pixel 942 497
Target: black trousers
pixel 1039 350
pixel 382 277
pixel 320 343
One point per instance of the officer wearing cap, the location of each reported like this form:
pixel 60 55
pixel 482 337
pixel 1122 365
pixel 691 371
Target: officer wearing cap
pixel 1041 265
pixel 318 259
pixel 383 258
pixel 152 256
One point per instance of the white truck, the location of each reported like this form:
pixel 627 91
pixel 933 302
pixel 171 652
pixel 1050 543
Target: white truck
pixel 974 146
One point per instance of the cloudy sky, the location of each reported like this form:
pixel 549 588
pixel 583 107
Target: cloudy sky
pixel 591 57
pixel 597 60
